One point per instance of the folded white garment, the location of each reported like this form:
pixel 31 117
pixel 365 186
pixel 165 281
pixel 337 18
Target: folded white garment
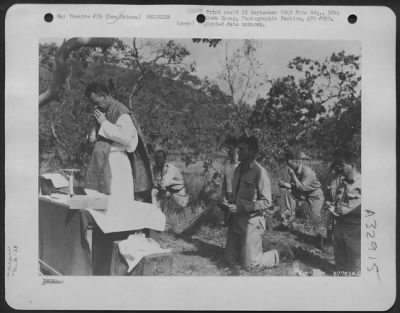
pixel 133 215
pixel 57 179
pixel 137 246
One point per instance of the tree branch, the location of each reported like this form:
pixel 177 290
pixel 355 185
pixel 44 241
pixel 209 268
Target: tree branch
pixel 228 71
pixel 250 76
pixel 135 54
pixel 68 78
pixel 62 54
pixel 53 131
pixel 45 67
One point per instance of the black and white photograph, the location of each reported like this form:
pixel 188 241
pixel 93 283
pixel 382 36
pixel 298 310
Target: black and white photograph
pixel 193 157
pixel 199 157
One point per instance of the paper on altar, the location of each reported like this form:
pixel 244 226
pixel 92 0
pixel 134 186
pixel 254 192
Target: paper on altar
pixel 92 199
pixel 132 216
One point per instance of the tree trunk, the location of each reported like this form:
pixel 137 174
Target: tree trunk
pixel 61 71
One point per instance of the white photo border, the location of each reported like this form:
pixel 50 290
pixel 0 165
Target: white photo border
pixel 375 28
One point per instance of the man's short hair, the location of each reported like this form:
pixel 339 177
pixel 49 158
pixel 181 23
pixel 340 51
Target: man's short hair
pixel 335 165
pixel 162 152
pixel 292 154
pixel 250 141
pixel 96 87
pixel 345 156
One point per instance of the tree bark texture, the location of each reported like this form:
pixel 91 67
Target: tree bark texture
pixel 61 71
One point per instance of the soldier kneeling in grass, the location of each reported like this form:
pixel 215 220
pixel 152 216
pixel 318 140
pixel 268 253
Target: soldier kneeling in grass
pixel 336 179
pixel 251 197
pixel 303 186
pixel 229 169
pixel 346 209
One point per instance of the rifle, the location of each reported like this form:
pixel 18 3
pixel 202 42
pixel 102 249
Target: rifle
pixel 331 207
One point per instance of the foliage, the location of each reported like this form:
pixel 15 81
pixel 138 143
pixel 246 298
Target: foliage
pixel 156 83
pixel 316 107
pixel 241 72
pixel 211 42
pixel 318 110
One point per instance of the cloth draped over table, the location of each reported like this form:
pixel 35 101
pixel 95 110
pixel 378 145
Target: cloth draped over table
pixel 135 215
pixel 63 237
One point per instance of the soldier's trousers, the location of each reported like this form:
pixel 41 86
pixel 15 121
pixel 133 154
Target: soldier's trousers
pixel 244 243
pixel 314 199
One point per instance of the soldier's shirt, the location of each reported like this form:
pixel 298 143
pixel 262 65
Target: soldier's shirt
pixel 349 195
pixel 307 180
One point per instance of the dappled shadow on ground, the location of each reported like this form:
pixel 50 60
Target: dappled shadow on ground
pixel 206 250
pixel 201 256
pixel 199 252
pixel 306 247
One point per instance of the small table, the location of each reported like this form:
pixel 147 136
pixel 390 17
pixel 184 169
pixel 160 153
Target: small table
pixel 64 246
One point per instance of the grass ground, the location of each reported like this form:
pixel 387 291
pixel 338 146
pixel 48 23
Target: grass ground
pixel 201 252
